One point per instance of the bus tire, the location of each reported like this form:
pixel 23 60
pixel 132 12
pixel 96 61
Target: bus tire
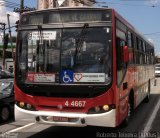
pixel 146 100
pixel 130 109
pixel 126 120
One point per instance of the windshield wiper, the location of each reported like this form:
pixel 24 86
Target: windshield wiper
pixel 79 42
pixel 40 50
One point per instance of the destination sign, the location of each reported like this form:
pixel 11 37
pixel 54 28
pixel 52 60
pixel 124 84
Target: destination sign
pixel 66 16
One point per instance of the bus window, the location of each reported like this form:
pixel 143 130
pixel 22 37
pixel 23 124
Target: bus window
pixel 121 67
pixel 120 43
pixel 90 55
pixel 130 40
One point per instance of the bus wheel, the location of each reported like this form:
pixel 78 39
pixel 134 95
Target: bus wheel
pixel 126 120
pixel 146 100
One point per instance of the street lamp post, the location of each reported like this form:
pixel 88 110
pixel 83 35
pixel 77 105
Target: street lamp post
pixel 10 33
pixel 4 51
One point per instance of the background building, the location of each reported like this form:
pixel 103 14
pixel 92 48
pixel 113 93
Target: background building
pixel 45 4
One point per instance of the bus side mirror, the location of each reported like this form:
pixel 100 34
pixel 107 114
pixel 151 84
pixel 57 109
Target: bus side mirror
pixel 125 54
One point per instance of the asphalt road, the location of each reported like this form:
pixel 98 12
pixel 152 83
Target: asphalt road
pixel 144 124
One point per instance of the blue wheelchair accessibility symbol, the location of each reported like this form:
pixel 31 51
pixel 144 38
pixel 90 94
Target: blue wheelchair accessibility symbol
pixel 67 76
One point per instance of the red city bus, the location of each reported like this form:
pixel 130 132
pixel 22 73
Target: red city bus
pixel 80 66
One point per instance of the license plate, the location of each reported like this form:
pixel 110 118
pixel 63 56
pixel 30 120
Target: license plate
pixel 60 119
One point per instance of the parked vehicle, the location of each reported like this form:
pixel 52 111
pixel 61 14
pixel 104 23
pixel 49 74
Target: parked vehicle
pixel 157 70
pixel 6 99
pixel 5 74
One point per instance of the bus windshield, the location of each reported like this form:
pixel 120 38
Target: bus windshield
pixel 69 55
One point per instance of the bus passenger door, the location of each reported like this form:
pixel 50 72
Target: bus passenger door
pixel 122 80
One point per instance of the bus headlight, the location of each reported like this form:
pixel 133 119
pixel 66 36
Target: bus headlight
pixel 105 107
pixel 101 109
pixel 26 106
pixel 29 106
pixel 97 109
pixel 21 104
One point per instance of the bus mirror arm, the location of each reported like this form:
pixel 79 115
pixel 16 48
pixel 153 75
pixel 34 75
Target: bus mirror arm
pixel 125 54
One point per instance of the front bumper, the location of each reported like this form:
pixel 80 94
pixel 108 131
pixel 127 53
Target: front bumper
pixel 107 119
